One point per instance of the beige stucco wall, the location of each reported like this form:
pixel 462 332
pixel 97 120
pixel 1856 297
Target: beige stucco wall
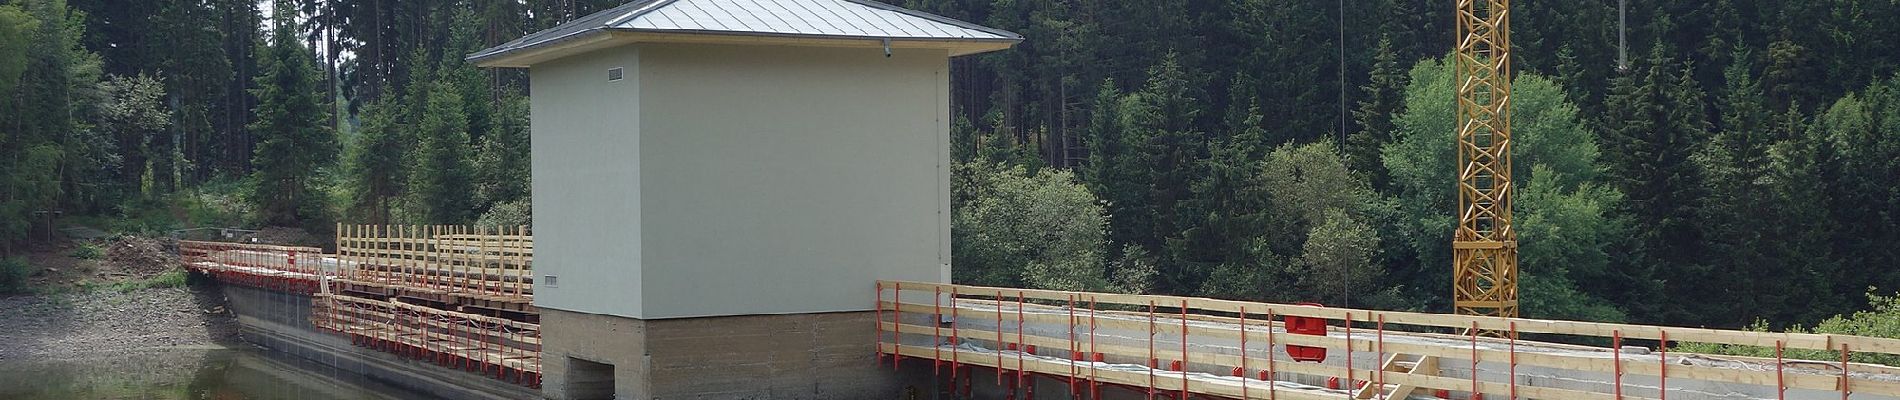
pixel 587 183
pixel 787 180
pixel 735 180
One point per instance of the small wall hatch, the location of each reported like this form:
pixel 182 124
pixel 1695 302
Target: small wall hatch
pixel 588 380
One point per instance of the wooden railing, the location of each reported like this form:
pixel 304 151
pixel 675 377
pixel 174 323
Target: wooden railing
pixel 1061 333
pixel 494 263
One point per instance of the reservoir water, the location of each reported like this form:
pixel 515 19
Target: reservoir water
pixel 203 373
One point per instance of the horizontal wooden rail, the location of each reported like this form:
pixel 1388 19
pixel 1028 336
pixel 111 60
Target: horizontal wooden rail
pixel 188 245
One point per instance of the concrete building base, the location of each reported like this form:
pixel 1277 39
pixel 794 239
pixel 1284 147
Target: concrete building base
pixel 797 356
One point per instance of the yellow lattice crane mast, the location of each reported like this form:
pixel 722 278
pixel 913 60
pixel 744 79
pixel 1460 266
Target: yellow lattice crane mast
pixel 1484 248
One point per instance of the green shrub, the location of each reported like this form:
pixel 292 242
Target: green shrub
pixel 169 279
pixel 1026 229
pixel 13 273
pixel 217 203
pixel 88 251
pixel 508 215
pixel 144 217
pixel 213 204
pixel 1882 320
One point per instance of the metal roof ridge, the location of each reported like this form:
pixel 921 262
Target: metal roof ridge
pixel 606 21
pixel 637 13
pixel 936 18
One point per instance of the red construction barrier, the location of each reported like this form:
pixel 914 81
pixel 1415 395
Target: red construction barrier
pixel 1306 326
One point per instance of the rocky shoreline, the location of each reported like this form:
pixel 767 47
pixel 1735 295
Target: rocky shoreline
pixel 66 325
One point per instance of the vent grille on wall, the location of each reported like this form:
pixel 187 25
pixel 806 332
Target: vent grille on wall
pixel 616 74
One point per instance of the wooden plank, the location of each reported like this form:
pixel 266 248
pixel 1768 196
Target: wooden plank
pixel 196 244
pixel 486 236
pixel 503 261
pixel 513 244
pixel 1404 391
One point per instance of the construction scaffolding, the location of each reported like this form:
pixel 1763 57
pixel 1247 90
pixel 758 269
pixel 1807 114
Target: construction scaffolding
pixel 1183 347
pixel 457 296
pixel 283 268
pixel 440 262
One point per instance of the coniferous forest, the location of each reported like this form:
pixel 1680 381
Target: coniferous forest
pixel 1737 163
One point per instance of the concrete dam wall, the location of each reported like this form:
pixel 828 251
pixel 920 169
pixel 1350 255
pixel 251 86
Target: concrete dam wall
pixel 281 321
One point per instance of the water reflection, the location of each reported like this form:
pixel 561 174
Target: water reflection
pixel 194 374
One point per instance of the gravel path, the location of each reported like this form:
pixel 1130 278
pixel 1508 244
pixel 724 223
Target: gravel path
pixel 38 327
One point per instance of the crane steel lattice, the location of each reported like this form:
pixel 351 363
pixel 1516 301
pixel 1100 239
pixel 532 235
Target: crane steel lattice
pixel 1484 248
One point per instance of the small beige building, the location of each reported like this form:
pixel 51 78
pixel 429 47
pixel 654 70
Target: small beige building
pixel 719 183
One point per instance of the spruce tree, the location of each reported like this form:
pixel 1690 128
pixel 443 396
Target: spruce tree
pixel 1793 78
pixel 1751 228
pixel 1802 235
pixel 292 123
pixel 440 187
pixel 502 161
pixel 1221 219
pixel 376 166
pixel 1655 122
pixel 1734 162
pixel 1384 94
pixel 1862 157
pixel 1164 115
pixel 1117 170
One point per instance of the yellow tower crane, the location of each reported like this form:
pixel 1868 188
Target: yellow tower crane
pixel 1484 248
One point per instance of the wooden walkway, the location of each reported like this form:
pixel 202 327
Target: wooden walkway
pixel 1181 347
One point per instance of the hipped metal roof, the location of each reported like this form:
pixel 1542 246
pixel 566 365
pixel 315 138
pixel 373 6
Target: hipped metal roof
pixel 813 22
